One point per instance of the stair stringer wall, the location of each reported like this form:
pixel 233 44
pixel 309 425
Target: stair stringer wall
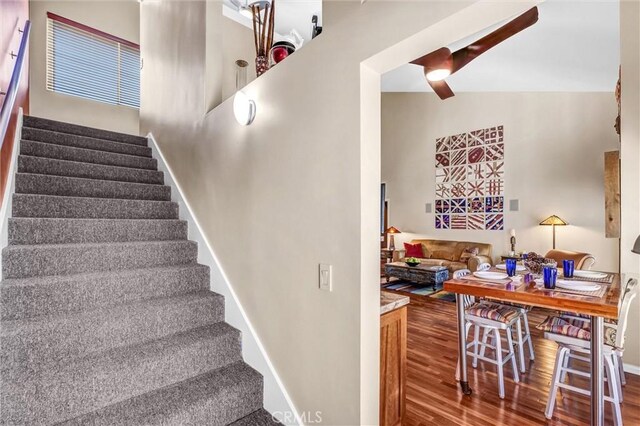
pixel 276 398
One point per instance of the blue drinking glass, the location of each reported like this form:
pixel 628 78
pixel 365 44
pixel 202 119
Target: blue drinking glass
pixel 511 266
pixel 567 268
pixel 550 275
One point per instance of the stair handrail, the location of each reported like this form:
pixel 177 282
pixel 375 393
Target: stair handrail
pixel 12 90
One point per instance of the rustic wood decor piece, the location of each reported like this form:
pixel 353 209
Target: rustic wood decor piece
pixel 470 180
pixel 263 30
pixel 618 100
pixel 612 194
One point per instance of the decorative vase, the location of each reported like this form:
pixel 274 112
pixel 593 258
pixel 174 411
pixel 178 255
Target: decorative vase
pixel 262 64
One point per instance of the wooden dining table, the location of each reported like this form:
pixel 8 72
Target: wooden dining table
pixel 529 294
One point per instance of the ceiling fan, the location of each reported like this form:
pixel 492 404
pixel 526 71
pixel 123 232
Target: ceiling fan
pixel 441 63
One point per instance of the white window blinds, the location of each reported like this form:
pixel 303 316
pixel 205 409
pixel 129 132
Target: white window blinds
pixel 91 64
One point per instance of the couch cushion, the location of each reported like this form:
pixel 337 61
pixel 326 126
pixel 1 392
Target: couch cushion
pixel 469 252
pixel 444 254
pixel 432 262
pixel 456 247
pixel 413 250
pixel 426 253
pixel 483 249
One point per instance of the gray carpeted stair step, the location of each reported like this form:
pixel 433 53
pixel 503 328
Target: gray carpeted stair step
pixel 51 166
pixel 65 259
pixel 61 152
pixel 28 231
pixel 258 418
pixel 119 374
pixel 74 129
pixel 27 183
pixel 86 142
pixel 33 344
pixel 217 398
pixel 105 315
pixel 32 297
pixel 30 205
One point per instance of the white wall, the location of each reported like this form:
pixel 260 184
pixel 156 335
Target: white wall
pixel 554 161
pixel 226 41
pixel 117 17
pixel 279 197
pixel 630 161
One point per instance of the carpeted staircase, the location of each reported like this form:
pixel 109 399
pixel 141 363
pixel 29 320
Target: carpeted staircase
pixel 106 317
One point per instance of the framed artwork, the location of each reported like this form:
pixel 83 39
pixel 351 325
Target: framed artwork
pixel 469 172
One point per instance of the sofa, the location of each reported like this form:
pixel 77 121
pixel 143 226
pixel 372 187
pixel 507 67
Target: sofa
pixel 581 260
pixel 454 255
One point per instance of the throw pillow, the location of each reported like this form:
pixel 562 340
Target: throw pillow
pixel 443 254
pixel 468 253
pixel 412 250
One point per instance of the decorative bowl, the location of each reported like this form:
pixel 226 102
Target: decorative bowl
pixel 412 263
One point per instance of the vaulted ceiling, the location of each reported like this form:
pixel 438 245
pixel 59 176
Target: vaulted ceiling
pixel 574 46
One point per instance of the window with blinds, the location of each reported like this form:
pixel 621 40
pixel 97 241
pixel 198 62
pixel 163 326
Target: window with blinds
pixel 85 62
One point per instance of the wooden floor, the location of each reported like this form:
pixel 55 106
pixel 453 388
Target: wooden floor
pixel 433 397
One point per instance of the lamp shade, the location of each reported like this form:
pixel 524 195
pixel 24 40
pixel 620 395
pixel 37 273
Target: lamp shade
pixel 393 230
pixel 636 246
pixel 553 220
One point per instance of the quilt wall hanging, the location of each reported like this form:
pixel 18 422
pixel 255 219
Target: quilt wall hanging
pixel 470 180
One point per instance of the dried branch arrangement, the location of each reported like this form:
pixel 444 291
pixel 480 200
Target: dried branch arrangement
pixel 263 29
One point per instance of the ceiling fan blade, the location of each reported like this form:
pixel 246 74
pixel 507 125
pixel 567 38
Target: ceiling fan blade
pixel 467 54
pixel 435 58
pixel 441 88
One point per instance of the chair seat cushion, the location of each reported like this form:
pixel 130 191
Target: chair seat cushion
pixel 575 328
pixel 586 317
pixel 494 311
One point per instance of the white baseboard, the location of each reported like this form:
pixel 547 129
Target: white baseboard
pixel 633 369
pixel 7 199
pixel 276 399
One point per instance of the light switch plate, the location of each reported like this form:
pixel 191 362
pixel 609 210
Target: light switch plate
pixel 427 208
pixel 514 205
pixel 325 277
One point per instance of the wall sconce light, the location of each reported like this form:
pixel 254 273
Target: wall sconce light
pixel 243 108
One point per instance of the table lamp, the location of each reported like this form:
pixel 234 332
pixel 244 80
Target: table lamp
pixel 392 230
pixel 554 221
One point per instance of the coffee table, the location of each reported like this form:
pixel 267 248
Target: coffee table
pixel 421 274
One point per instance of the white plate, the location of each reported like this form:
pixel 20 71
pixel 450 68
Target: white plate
pixel 503 267
pixel 589 274
pixel 577 285
pixel 487 275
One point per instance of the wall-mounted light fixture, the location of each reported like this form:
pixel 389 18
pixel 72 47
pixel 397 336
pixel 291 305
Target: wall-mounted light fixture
pixel 243 108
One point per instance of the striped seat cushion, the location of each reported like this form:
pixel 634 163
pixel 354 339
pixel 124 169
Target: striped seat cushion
pixel 494 311
pixel 586 317
pixel 575 328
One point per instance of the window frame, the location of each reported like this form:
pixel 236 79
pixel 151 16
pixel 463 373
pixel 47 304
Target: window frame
pixel 120 42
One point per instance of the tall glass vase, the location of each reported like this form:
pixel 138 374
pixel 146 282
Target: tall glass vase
pixel 241 73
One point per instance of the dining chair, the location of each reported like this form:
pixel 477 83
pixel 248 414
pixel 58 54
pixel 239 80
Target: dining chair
pixel 523 333
pixel 491 318
pixel 573 339
pixel 484 267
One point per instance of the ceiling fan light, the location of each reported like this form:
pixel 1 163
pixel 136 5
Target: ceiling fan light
pixel 438 74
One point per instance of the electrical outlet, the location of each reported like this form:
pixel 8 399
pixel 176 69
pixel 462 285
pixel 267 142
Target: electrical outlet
pixel 325 277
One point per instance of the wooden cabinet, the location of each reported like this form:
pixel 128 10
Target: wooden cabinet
pixel 393 366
